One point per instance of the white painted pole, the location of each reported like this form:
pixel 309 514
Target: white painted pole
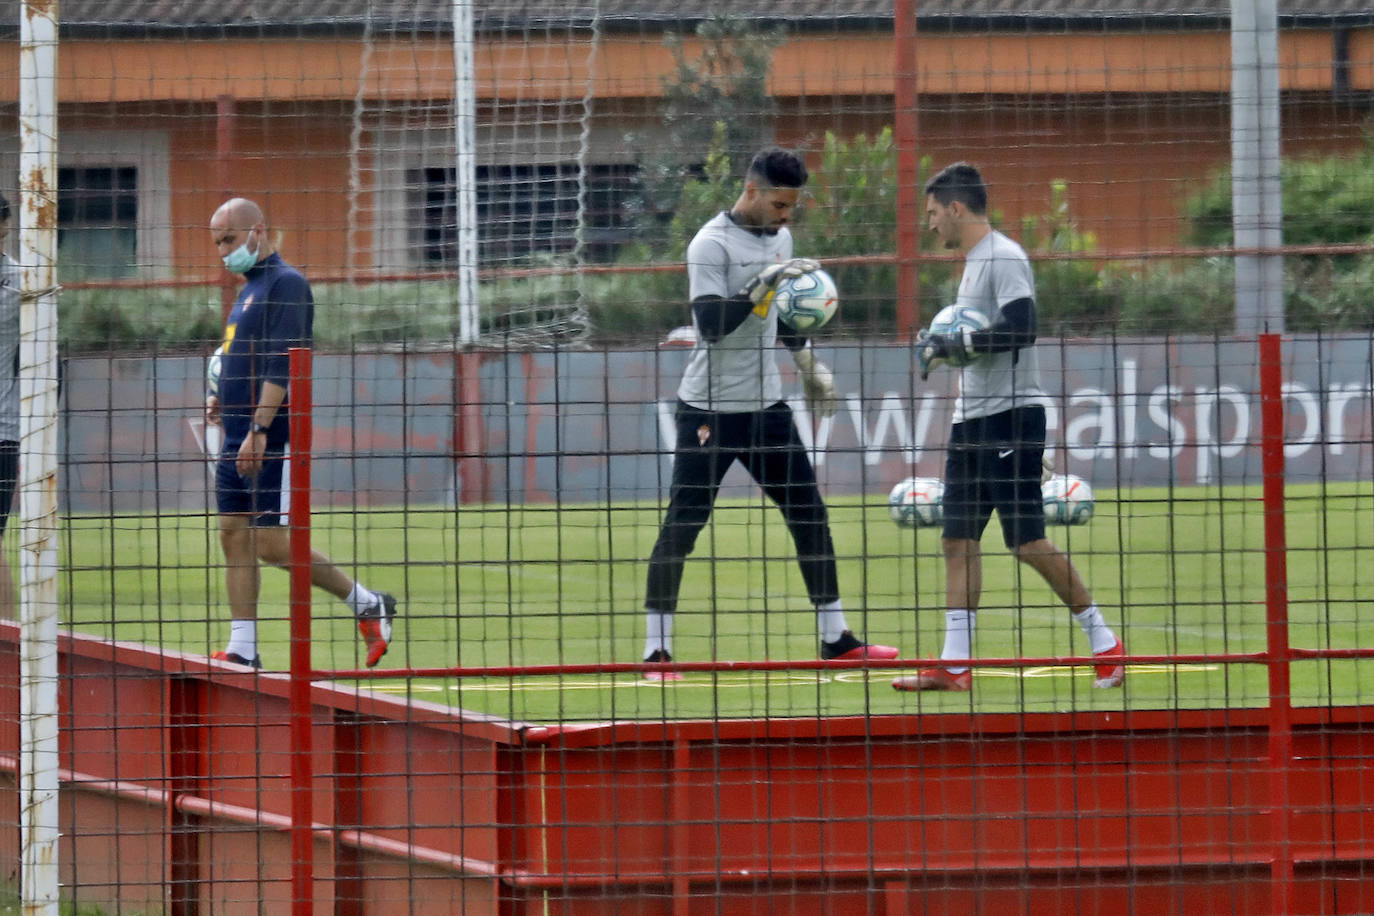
pixel 38 815
pixel 465 171
pixel 1256 189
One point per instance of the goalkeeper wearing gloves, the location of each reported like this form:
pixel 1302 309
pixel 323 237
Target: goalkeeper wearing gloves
pixel 1012 329
pixel 730 406
pixel 995 457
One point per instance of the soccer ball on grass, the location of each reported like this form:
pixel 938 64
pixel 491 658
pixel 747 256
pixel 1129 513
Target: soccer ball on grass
pixel 917 502
pixel 1068 500
pixel 806 302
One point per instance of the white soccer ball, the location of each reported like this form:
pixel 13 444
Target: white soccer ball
pixel 1068 500
pixel 917 502
pixel 954 320
pixel 212 370
pixel 807 302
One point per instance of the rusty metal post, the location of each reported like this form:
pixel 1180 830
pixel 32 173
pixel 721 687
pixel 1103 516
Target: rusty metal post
pixel 38 815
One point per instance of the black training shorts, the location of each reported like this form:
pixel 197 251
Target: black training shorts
pixel 994 462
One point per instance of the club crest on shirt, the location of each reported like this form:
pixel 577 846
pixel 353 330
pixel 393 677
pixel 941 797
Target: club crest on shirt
pixel 703 434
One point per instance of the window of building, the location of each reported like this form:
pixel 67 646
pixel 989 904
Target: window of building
pixel 522 211
pixel 97 222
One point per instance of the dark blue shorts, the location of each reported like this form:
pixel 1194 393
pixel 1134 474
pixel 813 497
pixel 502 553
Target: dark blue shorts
pixel 994 463
pixel 258 496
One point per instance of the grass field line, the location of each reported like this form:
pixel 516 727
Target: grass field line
pixel 748 680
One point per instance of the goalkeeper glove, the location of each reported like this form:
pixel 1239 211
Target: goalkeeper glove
pixel 818 384
pixel 760 289
pixel 933 349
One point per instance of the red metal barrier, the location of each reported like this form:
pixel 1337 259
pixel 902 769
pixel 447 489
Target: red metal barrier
pixel 1161 811
pixel 302 791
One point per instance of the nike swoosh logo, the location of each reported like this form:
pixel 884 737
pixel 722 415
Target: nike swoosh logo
pixel 1005 453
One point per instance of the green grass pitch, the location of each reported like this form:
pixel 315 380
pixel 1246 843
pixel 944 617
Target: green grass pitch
pixel 1179 571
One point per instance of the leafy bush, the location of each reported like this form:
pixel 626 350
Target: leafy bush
pixel 1319 296
pixel 635 308
pixel 852 211
pixel 347 315
pixel 1326 201
pixel 120 318
pixel 1072 294
pixel 1174 297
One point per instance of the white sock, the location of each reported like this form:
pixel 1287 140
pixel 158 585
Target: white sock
pixel 361 600
pixel 659 629
pixel 243 639
pixel 959 624
pixel 1100 636
pixel 830 621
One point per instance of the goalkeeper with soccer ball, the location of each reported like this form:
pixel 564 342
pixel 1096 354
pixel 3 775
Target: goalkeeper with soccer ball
pixel 997 442
pixel 730 405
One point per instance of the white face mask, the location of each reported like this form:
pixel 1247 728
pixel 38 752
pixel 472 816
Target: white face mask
pixel 241 260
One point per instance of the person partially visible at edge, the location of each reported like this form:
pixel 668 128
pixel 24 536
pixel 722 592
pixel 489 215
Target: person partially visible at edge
pixel 273 313
pixel 9 405
pixel 730 406
pixel 997 442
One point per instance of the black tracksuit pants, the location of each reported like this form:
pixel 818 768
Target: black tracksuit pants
pixel 767 444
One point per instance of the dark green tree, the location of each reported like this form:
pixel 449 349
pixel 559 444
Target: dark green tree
pixel 717 94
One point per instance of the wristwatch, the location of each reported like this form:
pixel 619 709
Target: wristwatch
pixel 260 428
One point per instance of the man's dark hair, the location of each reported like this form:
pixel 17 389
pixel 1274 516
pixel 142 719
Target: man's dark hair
pixel 778 168
pixel 4 209
pixel 960 182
